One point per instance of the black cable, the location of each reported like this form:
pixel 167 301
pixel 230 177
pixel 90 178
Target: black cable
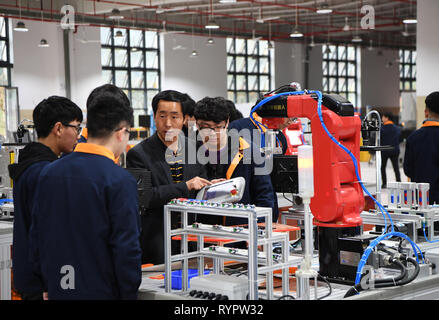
pixel 381 283
pixel 290 297
pixel 329 287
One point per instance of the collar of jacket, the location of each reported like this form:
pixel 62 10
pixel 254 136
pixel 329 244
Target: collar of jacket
pixel 387 122
pixel 430 123
pixel 95 149
pixel 84 133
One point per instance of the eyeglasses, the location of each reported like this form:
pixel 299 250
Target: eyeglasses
pixel 78 127
pixel 216 129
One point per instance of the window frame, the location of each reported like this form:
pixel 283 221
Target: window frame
pixel 129 89
pixel 337 76
pixel 232 93
pixel 410 64
pixel 7 64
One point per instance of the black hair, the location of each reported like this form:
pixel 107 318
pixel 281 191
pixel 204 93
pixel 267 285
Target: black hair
pixel 432 102
pixel 101 89
pixel 388 115
pixel 169 95
pixel 212 109
pixel 52 110
pixel 188 104
pixel 234 113
pixel 106 110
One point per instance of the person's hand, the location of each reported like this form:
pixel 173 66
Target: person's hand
pixel 217 180
pixel 45 296
pixel 197 183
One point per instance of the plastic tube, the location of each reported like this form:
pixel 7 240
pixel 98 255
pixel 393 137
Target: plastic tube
pixel 383 236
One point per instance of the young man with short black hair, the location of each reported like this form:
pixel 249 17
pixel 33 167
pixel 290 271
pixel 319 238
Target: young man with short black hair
pixel 228 158
pixel 421 159
pixel 86 231
pixel 166 155
pixel 57 124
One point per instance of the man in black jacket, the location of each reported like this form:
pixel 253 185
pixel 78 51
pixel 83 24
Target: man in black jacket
pixel 390 135
pixel 173 175
pixel 56 121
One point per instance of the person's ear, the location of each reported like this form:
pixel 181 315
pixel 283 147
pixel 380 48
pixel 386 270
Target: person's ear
pixel 57 128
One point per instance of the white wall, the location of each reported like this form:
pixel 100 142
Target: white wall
pixel 38 72
pixel 85 63
pixel 380 78
pixel 205 75
pixel 427 43
pixel 289 64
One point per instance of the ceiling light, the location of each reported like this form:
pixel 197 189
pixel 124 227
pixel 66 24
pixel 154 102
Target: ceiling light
pixel 312 44
pixel 328 49
pixel 212 25
pixel 194 54
pixel 227 1
pixel 411 20
pixel 210 41
pixel 115 14
pixel 21 27
pixel 324 9
pixel 270 45
pixel 43 43
pixel 357 39
pixel 296 34
pixel 346 27
pixel 118 34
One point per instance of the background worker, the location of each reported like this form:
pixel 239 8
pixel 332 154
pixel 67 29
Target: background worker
pixel 390 136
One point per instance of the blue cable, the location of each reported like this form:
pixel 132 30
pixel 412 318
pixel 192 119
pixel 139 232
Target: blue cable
pixel 383 236
pixel 425 235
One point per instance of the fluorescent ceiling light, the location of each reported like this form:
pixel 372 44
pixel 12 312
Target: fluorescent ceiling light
pixel 324 9
pixel 296 34
pixel 210 41
pixel 21 27
pixel 357 39
pixel 410 21
pixel 118 34
pixel 194 54
pixel 212 25
pixel 115 14
pixel 227 1
pixel 43 43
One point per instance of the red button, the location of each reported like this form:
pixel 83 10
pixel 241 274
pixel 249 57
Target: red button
pixel 233 192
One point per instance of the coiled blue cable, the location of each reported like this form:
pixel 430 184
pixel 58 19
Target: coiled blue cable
pixel 383 236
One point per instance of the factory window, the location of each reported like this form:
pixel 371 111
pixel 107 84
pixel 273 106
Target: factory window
pixel 249 69
pixel 407 70
pixel 130 60
pixel 340 72
pixel 5 56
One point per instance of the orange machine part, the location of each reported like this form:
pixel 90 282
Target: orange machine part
pixel 338 198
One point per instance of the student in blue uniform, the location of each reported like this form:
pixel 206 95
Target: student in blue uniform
pixel 56 120
pixel 421 159
pixel 390 135
pixel 229 159
pixel 86 232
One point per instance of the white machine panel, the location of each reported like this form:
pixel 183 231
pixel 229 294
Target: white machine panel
pixel 227 191
pixel 219 287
